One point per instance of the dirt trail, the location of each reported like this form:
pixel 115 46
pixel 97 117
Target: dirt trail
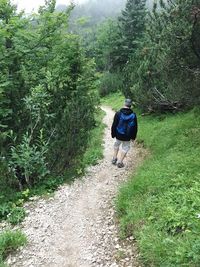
pixel 76 227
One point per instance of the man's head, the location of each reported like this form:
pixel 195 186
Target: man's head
pixel 128 103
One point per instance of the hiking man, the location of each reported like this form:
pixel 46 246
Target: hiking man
pixel 124 128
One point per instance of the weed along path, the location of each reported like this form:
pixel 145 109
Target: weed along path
pixel 77 227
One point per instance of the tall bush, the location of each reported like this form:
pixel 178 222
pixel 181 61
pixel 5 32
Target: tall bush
pixel 164 72
pixel 110 83
pixel 46 90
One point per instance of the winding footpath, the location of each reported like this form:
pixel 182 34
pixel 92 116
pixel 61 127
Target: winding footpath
pixel 77 227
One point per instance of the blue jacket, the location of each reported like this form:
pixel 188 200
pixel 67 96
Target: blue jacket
pixel 115 133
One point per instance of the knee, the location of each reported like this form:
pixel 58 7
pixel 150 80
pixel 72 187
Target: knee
pixel 126 148
pixel 116 145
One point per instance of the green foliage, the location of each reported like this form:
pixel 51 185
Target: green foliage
pixel 132 25
pixel 30 159
pixel 92 21
pixel 164 73
pixel 11 202
pixel 47 94
pixel 104 50
pixel 161 203
pixel 94 151
pixel 115 43
pixel 105 45
pixel 16 215
pixel 117 39
pixel 95 12
pixel 11 205
pixel 9 242
pixel 5 209
pixel 157 53
pixel 110 83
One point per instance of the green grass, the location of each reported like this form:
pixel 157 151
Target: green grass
pixel 94 151
pixel 115 100
pixel 9 242
pixel 161 202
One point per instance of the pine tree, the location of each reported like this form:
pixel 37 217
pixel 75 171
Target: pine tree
pixel 132 25
pixel 164 71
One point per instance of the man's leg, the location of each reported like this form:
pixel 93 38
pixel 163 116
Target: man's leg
pixel 116 150
pixel 124 151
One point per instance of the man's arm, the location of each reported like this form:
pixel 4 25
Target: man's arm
pixel 114 125
pixel 135 129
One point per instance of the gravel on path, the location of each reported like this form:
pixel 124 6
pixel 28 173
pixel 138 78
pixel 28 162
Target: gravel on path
pixel 78 227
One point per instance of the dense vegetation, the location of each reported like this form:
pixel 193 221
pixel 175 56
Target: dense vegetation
pixel 47 94
pixel 155 53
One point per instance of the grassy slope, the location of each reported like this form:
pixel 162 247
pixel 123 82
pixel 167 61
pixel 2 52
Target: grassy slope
pixel 161 203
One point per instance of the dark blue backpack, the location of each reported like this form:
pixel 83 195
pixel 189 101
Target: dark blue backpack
pixel 126 124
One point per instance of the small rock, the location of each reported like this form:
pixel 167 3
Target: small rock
pixel 9 261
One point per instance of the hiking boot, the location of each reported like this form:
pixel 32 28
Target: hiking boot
pixel 120 164
pixel 114 161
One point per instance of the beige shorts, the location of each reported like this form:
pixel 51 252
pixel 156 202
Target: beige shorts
pixel 125 145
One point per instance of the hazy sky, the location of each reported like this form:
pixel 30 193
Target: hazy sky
pixel 30 5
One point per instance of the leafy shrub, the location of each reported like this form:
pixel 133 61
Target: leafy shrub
pixel 160 75
pixel 160 72
pixel 12 212
pixel 48 94
pixel 30 159
pixel 109 83
pixel 10 241
pixel 5 209
pixel 16 215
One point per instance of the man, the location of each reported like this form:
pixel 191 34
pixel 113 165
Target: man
pixel 124 128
